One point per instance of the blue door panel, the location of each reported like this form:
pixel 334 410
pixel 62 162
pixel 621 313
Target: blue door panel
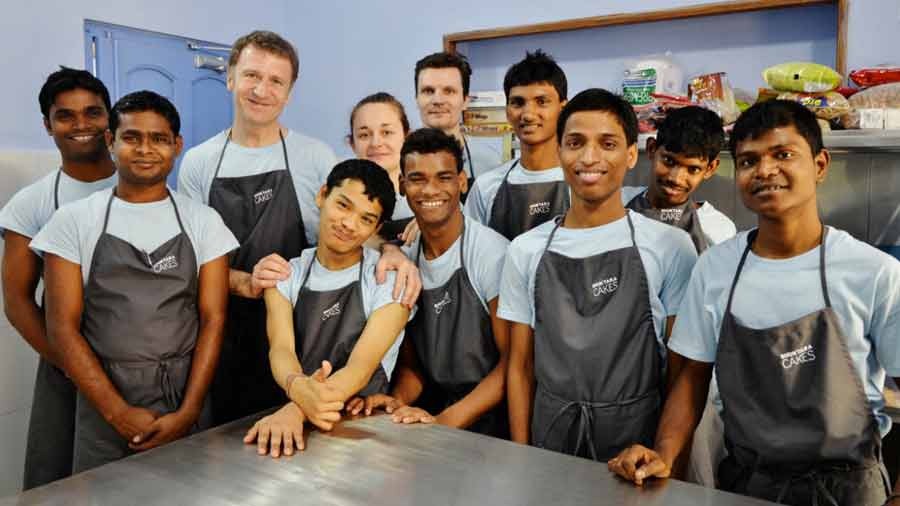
pixel 129 59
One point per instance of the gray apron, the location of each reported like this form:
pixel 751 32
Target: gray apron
pixel 51 427
pixel 455 345
pixel 684 217
pixel 263 214
pixel 597 361
pixel 140 318
pixel 327 325
pixel 518 208
pixel 798 425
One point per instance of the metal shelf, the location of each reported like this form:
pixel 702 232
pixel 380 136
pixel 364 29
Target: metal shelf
pixel 865 141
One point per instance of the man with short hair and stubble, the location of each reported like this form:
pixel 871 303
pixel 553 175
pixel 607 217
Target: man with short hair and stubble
pixel 262 178
pixel 137 285
pixel 442 94
pixel 75 106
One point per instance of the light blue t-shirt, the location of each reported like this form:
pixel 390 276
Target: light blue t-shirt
pixel 311 161
pixel 484 157
pixel 73 231
pixel 667 253
pixel 484 255
pixel 716 226
pixel 374 296
pixel 32 206
pixel 863 284
pixel 484 190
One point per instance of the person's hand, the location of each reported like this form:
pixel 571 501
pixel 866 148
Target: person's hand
pixel 133 421
pixel 282 429
pixel 320 402
pixel 410 414
pixel 637 463
pixel 373 402
pixel 409 233
pixel 407 283
pixel 164 429
pixel 267 273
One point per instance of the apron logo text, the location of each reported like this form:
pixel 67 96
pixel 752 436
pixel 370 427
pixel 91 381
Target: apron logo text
pixel 539 208
pixel 605 286
pixel 797 357
pixel 439 306
pixel 670 214
pixel 263 196
pixel 167 263
pixel 332 311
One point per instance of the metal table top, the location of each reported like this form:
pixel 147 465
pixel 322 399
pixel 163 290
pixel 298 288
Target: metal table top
pixel 368 461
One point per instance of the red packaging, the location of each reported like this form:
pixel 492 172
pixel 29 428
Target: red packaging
pixel 874 76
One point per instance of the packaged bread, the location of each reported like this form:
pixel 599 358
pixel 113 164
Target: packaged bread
pixel 877 97
pixel 803 77
pixel 828 105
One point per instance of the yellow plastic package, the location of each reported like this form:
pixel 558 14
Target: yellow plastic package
pixel 828 105
pixel 803 77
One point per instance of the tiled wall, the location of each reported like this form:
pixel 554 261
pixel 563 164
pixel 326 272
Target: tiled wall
pixel 17 360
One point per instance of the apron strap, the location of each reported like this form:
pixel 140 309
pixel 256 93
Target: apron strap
pixel 558 221
pixel 222 154
pixel 56 190
pixel 287 163
pixel 631 228
pixel 822 267
pixel 750 238
pixel 177 214
pixel 462 245
pixel 469 158
pixel 506 176
pixel 108 207
pixel 308 270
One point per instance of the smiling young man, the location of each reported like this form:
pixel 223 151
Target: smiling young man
pixel 684 154
pixel 591 296
pixel 137 280
pixel 262 178
pixel 802 322
pixel 442 94
pixel 331 312
pixel 452 361
pixel 521 194
pixel 75 106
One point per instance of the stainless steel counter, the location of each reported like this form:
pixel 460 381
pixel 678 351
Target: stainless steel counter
pixel 369 461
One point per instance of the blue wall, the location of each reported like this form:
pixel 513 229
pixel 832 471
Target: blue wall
pixel 39 35
pixel 348 52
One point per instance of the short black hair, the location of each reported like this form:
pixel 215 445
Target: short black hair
pixel 444 60
pixel 67 79
pixel 376 181
pixel 145 100
pixel 597 99
pixel 431 140
pixel 771 114
pixel 692 131
pixel 537 67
